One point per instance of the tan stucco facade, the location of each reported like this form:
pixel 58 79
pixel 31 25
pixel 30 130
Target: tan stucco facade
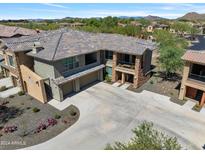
pixel 33 84
pixel 189 86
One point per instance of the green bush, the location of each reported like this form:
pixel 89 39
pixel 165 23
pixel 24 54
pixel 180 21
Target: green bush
pixel 147 138
pixel 3 88
pixel 11 96
pixel 197 108
pixel 57 116
pixel 35 109
pixel 151 82
pixel 108 79
pixel 73 112
pixel 21 93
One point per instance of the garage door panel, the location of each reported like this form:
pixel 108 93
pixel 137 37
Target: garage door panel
pixel 85 80
pixel 67 88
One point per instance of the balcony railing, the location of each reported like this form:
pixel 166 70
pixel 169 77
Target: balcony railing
pixel 197 77
pixel 125 64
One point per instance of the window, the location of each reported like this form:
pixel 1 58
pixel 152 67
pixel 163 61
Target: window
pixel 108 55
pixel 11 60
pixel 90 58
pixel 70 63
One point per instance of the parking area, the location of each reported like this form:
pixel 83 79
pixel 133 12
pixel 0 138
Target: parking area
pixel 109 113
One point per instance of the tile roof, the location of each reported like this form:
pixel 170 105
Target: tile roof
pixel 194 56
pixel 10 31
pixel 67 43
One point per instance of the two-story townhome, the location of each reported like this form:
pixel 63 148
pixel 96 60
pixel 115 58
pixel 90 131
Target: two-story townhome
pixel 193 82
pixel 55 64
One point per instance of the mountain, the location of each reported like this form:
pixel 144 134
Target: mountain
pixel 150 17
pixel 126 17
pixel 191 16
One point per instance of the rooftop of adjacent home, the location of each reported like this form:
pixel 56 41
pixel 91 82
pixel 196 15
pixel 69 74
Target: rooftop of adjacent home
pixel 58 44
pixel 196 52
pixel 10 31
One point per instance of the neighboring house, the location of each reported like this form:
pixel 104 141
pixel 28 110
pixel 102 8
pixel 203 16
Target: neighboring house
pixel 193 82
pixel 12 31
pixel 155 26
pixel 54 64
pixel 135 23
pixel 150 28
pixel 171 30
pixel 121 24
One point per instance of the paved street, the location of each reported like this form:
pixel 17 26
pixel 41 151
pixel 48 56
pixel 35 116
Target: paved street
pixel 109 113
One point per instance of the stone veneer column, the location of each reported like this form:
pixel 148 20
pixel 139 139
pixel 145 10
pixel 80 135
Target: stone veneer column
pixel 185 77
pixel 114 64
pixel 137 71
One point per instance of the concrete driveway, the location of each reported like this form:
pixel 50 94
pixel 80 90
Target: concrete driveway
pixel 109 113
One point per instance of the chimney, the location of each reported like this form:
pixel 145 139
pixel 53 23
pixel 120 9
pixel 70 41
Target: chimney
pixel 36 47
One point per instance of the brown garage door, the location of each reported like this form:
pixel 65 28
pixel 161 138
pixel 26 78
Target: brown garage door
pixel 67 88
pixel 88 79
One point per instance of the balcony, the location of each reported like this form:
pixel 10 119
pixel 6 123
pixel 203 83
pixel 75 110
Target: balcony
pixel 197 77
pixel 126 67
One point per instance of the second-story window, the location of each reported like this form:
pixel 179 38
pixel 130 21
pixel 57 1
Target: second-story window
pixel 11 61
pixel 90 58
pixel 70 63
pixel 109 55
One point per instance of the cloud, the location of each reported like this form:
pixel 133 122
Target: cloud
pixel 168 8
pixel 54 5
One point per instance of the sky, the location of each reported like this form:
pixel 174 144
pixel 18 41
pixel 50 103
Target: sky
pixel 61 10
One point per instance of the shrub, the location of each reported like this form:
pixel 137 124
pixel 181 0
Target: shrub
pixel 151 82
pixel 28 108
pixel 35 109
pixel 11 96
pixel 5 102
pixel 197 108
pixel 3 88
pixel 73 112
pixel 21 93
pixel 108 79
pixel 147 138
pixel 57 116
pixel 9 129
pixel 45 124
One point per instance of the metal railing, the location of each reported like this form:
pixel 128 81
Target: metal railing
pixel 125 64
pixel 197 77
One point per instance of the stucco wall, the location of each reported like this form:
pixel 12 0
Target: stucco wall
pixel 34 85
pixel 46 70
pixel 147 60
pixel 58 66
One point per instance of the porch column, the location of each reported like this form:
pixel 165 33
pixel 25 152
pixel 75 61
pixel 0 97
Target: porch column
pixel 185 77
pixel 76 85
pixel 100 75
pixel 114 64
pixel 202 99
pixel 137 71
pixel 123 78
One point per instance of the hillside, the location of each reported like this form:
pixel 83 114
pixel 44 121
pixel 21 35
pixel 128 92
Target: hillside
pixel 150 17
pixel 192 16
